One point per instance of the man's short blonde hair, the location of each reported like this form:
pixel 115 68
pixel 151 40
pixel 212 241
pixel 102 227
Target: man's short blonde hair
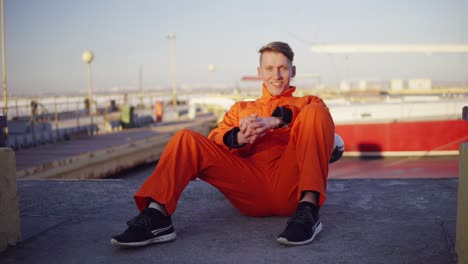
pixel 279 47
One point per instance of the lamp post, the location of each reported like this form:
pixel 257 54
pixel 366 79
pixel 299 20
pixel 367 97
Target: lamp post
pixel 4 119
pixel 88 57
pixel 5 93
pixel 212 69
pixel 171 38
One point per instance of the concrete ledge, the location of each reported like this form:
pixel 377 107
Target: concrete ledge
pixel 105 162
pixel 9 212
pixel 462 209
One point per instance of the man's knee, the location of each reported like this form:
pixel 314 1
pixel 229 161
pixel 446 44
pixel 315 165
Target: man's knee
pixel 315 116
pixel 183 139
pixel 314 111
pixel 189 140
pixel 186 135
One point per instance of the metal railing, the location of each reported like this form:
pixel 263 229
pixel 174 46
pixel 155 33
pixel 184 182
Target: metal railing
pixel 47 121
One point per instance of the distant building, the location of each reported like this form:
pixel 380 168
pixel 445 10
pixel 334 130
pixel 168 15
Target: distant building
pixel 362 85
pixel 397 85
pixel 345 86
pixel 419 84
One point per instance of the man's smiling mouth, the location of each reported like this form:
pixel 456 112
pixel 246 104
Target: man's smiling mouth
pixel 277 83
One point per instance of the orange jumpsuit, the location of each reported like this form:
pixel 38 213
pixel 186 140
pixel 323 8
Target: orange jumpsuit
pixel 259 179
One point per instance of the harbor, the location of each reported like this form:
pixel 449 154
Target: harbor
pixel 99 97
pixel 380 122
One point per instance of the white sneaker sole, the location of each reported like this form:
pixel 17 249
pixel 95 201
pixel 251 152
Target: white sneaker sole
pixel 284 241
pixel 161 239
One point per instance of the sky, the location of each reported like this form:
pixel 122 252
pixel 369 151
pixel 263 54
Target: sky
pixel 45 40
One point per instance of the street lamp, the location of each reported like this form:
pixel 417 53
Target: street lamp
pixel 5 94
pixel 212 69
pixel 171 38
pixel 88 57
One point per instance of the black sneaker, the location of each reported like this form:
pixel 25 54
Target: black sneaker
pixel 149 227
pixel 302 227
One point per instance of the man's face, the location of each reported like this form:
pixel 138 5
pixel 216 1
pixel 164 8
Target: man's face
pixel 276 72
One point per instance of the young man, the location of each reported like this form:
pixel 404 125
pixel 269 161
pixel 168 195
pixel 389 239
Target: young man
pixel 268 157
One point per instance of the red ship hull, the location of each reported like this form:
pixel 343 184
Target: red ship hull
pixel 435 137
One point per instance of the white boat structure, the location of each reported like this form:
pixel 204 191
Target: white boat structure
pixel 404 126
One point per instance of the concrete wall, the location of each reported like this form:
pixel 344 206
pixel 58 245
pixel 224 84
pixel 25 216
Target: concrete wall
pixel 462 210
pixel 9 212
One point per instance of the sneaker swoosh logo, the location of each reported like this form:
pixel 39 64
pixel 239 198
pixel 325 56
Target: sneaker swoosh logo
pixel 157 231
pixel 317 224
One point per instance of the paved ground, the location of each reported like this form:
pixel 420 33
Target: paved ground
pixel 389 220
pixel 396 168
